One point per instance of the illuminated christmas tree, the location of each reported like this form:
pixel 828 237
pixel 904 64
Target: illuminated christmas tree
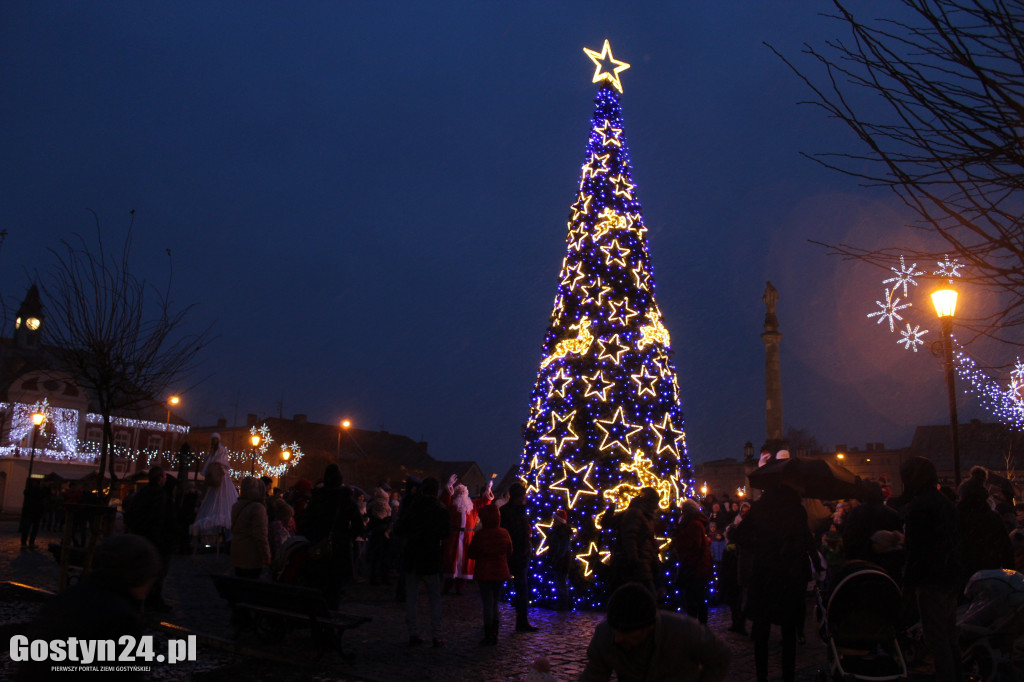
pixel 605 418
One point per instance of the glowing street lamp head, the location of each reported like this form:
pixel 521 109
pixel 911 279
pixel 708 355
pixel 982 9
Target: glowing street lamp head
pixel 173 400
pixel 285 455
pixel 840 455
pixel 255 440
pixel 345 423
pixel 38 418
pixel 945 302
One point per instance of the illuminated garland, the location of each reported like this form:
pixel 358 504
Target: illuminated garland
pixel 605 416
pixel 254 461
pixel 1006 404
pixel 59 440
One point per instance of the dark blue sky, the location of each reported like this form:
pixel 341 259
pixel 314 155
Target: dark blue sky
pixel 368 202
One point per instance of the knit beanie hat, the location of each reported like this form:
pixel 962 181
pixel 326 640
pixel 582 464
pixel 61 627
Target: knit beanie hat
pixel 125 561
pixel 631 607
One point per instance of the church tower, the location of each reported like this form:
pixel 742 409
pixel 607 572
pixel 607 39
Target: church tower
pixel 28 324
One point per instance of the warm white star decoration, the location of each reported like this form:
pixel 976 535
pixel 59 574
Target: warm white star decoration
pixel 608 73
pixel 609 135
pixel 612 349
pixel 615 254
pixel 558 383
pixel 598 386
pixel 645 382
pixel 563 425
pixel 617 431
pixel 668 436
pixel 562 485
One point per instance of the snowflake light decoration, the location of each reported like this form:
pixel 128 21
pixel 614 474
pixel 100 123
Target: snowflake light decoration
pixel 889 310
pixel 948 268
pixel 912 337
pixel 904 276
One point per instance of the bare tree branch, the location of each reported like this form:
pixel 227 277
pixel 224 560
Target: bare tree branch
pixel 950 140
pixel 114 333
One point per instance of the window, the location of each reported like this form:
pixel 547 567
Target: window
pixel 121 439
pixel 94 435
pixel 155 443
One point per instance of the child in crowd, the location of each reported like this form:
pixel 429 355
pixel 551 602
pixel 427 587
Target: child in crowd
pixel 490 548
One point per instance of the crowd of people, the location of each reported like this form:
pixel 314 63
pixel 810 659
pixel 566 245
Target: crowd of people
pixel 758 558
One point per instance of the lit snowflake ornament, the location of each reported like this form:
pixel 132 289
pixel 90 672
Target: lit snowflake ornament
pixel 889 310
pixel 904 276
pixel 1018 372
pixel 912 337
pixel 948 268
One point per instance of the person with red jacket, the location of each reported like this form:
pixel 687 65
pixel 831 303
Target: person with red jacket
pixel 693 550
pixel 491 548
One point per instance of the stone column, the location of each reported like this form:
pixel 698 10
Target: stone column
pixel 772 365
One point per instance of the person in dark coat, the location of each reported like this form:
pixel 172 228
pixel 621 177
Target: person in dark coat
pixel 515 521
pixel 103 605
pixel 635 552
pixel 151 514
pixel 693 551
pixel 424 527
pixel 330 523
pixel 490 548
pixel 560 555
pixel 775 535
pixel 412 488
pixel 934 570
pixel 863 522
pixel 984 542
pixel 31 513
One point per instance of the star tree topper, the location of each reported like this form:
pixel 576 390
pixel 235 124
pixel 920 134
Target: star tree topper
pixel 603 73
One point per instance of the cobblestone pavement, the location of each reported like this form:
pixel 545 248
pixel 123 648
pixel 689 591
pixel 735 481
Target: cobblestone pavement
pixel 380 647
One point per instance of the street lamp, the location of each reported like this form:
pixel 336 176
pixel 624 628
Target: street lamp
pixel 748 452
pixel 343 426
pixel 945 307
pixel 255 440
pixel 171 402
pixel 38 418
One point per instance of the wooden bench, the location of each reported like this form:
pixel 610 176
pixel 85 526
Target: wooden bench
pixel 265 607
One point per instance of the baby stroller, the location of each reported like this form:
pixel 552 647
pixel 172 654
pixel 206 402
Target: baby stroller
pixel 859 624
pixel 991 628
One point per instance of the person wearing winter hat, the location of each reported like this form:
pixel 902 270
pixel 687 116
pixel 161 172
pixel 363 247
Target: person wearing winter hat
pixel 103 605
pixel 638 642
pixel 491 548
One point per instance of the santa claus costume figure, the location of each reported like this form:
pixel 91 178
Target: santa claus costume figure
pixel 464 515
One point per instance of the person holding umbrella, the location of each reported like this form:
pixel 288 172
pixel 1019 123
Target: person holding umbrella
pixel 776 537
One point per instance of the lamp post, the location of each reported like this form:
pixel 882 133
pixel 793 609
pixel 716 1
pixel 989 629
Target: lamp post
pixel 945 307
pixel 38 418
pixel 255 440
pixel 748 452
pixel 343 426
pixel 171 402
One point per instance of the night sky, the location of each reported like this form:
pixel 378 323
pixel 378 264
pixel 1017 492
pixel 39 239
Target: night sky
pixel 367 201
